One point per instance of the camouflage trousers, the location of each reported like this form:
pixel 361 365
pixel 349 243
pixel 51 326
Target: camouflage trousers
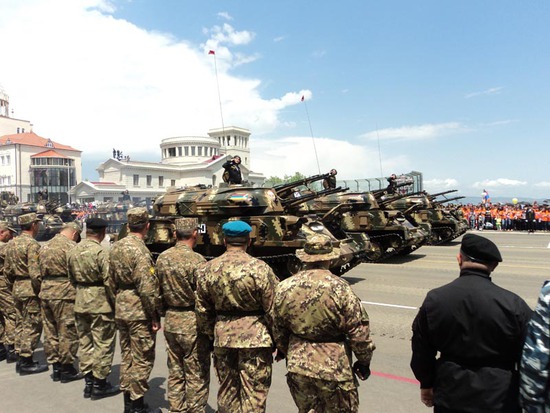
pixel 245 377
pixel 60 336
pixel 96 337
pixel 7 317
pixel 137 347
pixel 313 395
pixel 28 325
pixel 188 372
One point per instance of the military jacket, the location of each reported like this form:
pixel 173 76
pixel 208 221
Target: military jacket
pixel 53 267
pixel 176 269
pixel 5 285
pixel 21 265
pixel 137 286
pixel 535 362
pixel 478 329
pixel 318 322
pixel 88 264
pixel 234 299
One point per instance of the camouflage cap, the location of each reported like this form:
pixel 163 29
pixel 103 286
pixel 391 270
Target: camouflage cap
pixel 138 216
pixel 6 226
pixel 28 218
pixel 73 225
pixel 318 248
pixel 186 225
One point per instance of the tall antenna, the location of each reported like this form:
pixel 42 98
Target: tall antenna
pixel 212 52
pixel 379 152
pixel 312 138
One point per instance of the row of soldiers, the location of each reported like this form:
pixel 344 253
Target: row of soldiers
pixel 232 309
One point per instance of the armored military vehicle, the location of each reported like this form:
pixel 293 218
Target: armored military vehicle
pixel 112 212
pixel 276 233
pixel 51 222
pixel 389 233
pixel 425 210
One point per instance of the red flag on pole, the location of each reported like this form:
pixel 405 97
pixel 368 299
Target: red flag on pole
pixel 211 52
pixel 302 98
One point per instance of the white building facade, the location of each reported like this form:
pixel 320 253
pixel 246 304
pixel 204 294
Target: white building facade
pixel 185 161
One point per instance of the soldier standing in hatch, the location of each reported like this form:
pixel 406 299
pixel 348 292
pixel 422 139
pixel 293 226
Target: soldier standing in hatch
pixel 88 264
pixel 318 338
pixel 233 171
pixel 57 297
pixel 188 351
pixel 330 181
pixel 234 299
pixel 7 310
pixel 137 309
pixel 22 269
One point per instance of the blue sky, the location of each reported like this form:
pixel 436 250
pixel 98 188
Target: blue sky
pixel 456 90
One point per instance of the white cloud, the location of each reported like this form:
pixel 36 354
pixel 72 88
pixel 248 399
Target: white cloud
pixel 279 39
pixel 498 183
pixel 279 157
pixel 225 15
pixel 317 54
pixel 415 132
pixel 439 185
pixel 490 91
pixel 92 81
pixel 543 184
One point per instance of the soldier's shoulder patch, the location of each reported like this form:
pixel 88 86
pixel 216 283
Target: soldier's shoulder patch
pixel 152 270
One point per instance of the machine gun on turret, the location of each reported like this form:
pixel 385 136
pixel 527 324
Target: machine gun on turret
pixel 447 200
pixel 285 190
pixel 291 202
pixel 395 197
pixel 433 196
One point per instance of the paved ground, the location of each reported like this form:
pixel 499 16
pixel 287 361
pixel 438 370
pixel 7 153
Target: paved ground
pixel 391 293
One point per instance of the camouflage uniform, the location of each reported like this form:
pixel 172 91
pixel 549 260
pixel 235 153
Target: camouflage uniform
pixel 22 269
pixel 137 305
pixel 318 322
pixel 234 300
pixel 7 309
pixel 57 297
pixel 188 351
pixel 535 361
pixel 94 307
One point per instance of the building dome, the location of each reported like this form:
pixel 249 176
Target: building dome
pixel 188 149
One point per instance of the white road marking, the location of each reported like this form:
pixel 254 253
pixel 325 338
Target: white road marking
pixel 406 307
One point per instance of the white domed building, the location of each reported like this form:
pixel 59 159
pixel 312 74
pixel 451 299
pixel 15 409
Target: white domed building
pixel 185 161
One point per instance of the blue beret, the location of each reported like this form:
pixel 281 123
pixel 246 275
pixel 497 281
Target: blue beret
pixel 236 229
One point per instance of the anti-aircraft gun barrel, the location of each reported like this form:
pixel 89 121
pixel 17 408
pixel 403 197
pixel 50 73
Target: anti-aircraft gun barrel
pixel 432 196
pixel 380 192
pixel 382 202
pixel 449 200
pixel 285 190
pixel 294 202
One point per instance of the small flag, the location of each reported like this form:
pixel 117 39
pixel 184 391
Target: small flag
pixel 212 52
pixel 302 98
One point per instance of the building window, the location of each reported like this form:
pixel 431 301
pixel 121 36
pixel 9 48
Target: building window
pixel 136 180
pixel 161 181
pixel 186 150
pixel 171 152
pixel 192 151
pixel 8 160
pixel 199 150
pixel 149 180
pixel 172 182
pixel 179 150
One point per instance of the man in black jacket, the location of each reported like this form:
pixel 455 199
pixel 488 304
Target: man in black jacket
pixel 478 328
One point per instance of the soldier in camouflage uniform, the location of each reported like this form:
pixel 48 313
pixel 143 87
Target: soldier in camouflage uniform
pixel 535 362
pixel 94 310
pixel 137 309
pixel 22 270
pixel 318 322
pixel 234 299
pixel 7 310
pixel 57 296
pixel 188 351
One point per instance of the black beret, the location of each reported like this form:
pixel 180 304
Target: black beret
pixel 480 249
pixel 96 223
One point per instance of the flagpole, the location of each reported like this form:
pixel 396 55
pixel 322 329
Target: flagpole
pixel 212 52
pixel 312 138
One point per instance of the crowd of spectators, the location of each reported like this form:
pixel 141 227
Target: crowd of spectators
pixel 508 217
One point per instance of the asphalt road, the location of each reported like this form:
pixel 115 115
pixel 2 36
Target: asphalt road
pixel 391 292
